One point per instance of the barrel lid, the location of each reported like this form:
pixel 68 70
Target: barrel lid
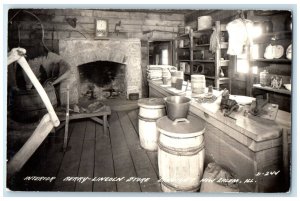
pixel 195 127
pixel 151 103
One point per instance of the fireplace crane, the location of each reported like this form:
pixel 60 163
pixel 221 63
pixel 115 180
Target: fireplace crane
pixel 48 122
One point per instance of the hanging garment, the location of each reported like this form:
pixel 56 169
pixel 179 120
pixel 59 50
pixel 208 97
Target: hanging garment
pixel 239 35
pixel 214 41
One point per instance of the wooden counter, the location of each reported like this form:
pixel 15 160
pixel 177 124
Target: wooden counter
pixel 245 145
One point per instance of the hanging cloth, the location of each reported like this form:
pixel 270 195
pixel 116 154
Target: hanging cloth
pixel 214 41
pixel 239 35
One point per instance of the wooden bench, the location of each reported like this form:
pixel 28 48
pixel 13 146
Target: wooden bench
pixel 104 112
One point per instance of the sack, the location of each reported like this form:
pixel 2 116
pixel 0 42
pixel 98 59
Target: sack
pixel 216 179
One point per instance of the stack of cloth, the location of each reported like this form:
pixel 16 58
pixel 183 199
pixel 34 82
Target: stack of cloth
pixel 155 72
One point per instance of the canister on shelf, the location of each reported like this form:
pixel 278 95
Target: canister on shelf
pixel 264 78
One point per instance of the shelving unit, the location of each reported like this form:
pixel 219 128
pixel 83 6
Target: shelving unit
pixel 277 67
pixel 283 64
pixel 196 44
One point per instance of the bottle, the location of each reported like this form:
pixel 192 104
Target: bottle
pixel 221 73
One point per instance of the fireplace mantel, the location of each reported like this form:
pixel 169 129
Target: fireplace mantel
pixel 124 51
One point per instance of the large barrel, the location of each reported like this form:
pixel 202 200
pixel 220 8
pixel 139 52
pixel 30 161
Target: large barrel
pixel 198 84
pixel 150 110
pixel 27 105
pixel 180 154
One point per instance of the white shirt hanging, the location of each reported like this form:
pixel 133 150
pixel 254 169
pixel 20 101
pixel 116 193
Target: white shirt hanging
pixel 239 35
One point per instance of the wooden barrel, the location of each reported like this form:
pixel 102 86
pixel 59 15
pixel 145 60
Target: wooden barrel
pixel 151 109
pixel 198 84
pixel 180 153
pixel 27 105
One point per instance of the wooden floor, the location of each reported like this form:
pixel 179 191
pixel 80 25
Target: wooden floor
pixel 91 155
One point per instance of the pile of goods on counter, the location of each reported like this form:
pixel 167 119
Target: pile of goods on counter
pixel 157 72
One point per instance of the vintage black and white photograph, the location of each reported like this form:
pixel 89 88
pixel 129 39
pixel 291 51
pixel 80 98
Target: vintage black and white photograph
pixel 149 100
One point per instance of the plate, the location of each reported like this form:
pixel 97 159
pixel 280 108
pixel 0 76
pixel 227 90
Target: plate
pixel 289 52
pixel 278 51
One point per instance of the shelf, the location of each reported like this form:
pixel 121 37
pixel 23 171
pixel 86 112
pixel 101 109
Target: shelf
pixel 184 60
pixel 281 90
pixel 223 45
pixel 184 47
pixel 203 30
pixel 202 45
pixel 205 61
pixel 220 78
pixel 276 33
pixel 272 60
pixel 183 35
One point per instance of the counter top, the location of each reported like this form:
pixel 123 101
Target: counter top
pixel 255 128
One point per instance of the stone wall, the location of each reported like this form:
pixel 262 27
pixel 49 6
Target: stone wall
pixel 124 51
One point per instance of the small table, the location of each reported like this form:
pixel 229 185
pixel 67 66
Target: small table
pixel 104 112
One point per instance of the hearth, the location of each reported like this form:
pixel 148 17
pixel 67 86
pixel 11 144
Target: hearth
pixel 101 80
pixel 123 76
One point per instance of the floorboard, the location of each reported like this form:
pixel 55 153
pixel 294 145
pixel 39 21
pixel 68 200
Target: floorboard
pixel 86 167
pixel 122 159
pixel 71 159
pixel 133 116
pixel 104 165
pixel 140 158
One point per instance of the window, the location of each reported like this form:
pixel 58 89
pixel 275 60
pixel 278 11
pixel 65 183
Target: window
pixel 165 57
pixel 242 64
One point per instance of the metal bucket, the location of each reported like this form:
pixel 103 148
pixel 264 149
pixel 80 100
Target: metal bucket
pixel 177 107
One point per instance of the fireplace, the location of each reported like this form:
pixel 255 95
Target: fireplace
pixel 118 59
pixel 101 80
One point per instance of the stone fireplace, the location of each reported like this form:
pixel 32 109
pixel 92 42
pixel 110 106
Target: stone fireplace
pixel 106 78
pixel 122 55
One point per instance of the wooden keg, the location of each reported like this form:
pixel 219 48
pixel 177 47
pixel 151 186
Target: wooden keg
pixel 27 105
pixel 198 84
pixel 150 110
pixel 180 153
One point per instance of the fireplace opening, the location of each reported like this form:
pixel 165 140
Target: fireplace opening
pixel 101 80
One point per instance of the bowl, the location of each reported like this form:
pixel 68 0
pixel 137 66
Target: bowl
pixel 288 86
